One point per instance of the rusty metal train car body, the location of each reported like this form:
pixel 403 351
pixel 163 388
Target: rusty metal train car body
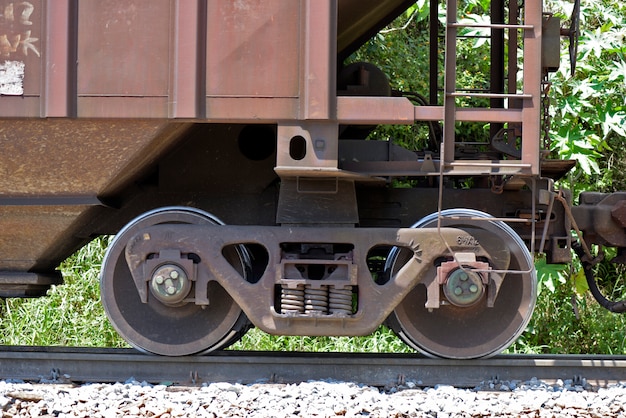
pixel 213 137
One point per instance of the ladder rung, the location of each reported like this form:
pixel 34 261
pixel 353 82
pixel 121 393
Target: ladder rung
pixel 502 115
pixel 474 90
pixel 489 26
pixel 491 95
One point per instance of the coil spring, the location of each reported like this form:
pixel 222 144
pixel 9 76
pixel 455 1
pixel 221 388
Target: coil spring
pixel 315 300
pixel 292 300
pixel 320 301
pixel 340 300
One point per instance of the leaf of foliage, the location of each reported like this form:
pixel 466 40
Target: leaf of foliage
pixel 550 275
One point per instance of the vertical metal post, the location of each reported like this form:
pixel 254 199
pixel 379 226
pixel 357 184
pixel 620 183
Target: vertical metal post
pixel 497 61
pixel 531 114
pixel 185 68
pixel 434 52
pixel 449 116
pixel 512 58
pixel 320 60
pixel 317 124
pixel 60 72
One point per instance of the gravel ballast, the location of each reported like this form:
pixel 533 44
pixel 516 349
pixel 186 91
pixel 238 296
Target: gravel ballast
pixel 310 399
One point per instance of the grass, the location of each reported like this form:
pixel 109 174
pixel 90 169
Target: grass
pixel 569 322
pixel 72 316
pixel 383 340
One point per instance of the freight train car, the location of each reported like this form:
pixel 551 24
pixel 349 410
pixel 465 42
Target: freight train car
pixel 225 143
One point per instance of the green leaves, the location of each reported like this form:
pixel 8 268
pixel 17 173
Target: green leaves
pixel 578 144
pixel 612 118
pixel 595 43
pixel 588 109
pixel 480 35
pixel 618 71
pixel 419 11
pixel 550 275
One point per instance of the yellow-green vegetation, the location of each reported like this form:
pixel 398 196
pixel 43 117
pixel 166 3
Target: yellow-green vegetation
pixel 71 314
pixel 381 341
pixel 568 320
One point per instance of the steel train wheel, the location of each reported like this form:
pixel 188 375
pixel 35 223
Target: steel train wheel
pixel 475 331
pixel 155 327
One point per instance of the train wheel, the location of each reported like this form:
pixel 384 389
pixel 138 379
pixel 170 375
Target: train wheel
pixel 475 330
pixel 158 328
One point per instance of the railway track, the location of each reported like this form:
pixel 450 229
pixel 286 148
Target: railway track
pixel 81 365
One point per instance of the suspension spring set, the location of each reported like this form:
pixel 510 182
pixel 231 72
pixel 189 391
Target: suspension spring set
pixel 317 300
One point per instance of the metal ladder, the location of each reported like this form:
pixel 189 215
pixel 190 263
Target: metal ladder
pixel 526 113
pixel 528 116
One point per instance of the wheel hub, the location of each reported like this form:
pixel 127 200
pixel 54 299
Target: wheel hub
pixel 464 287
pixel 170 284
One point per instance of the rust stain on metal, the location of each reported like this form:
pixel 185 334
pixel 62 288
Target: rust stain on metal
pixel 28 231
pixel 63 156
pixel 60 157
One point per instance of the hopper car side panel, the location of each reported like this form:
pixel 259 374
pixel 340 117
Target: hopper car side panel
pixel 167 59
pixel 112 84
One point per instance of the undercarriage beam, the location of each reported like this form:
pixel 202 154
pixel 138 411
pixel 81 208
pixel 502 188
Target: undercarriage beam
pixel 375 301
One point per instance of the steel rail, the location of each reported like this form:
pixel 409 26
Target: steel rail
pixel 82 365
